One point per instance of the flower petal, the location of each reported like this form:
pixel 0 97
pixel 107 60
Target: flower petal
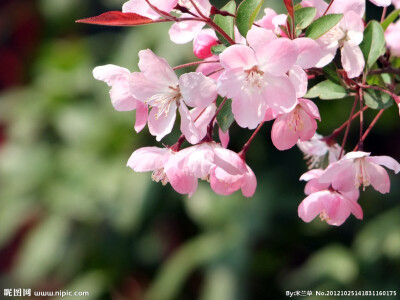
pixel 141 116
pixel 238 57
pixel 162 125
pixel 148 159
pixel 386 161
pixel 352 59
pixel 197 90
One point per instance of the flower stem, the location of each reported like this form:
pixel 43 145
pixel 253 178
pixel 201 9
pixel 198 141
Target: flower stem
pixel 246 146
pixel 373 123
pixel 329 6
pixel 346 134
pixel 195 63
pixel 211 124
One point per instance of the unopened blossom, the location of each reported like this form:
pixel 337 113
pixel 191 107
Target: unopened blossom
pixel 158 86
pixel 119 79
pixel 203 43
pixel 392 37
pixel 141 7
pixel 357 169
pixel 224 169
pixel 153 159
pixel 255 77
pixel 331 206
pixel 316 150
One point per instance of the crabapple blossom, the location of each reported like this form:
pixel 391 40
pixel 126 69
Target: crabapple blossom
pixel 224 169
pixel 381 2
pixel 392 37
pixel 119 79
pixel 255 77
pixel 158 86
pixel 331 206
pixel 316 149
pixel 359 168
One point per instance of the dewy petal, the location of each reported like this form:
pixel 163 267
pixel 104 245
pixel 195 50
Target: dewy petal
pixel 278 56
pixel 280 94
pixel 312 206
pixel 157 69
pixel 386 161
pixel 378 177
pixel 148 159
pixel 352 59
pixel 309 52
pixel 162 125
pixel 197 90
pixel 110 73
pixel 141 116
pixel 121 97
pixel 257 37
pixel 238 57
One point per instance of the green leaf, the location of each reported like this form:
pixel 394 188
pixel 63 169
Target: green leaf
pixel 226 23
pixel 304 16
pixel 330 72
pixel 225 116
pixel 327 90
pixel 246 14
pixel 322 25
pixel 390 19
pixel 218 49
pixel 377 99
pixel 373 43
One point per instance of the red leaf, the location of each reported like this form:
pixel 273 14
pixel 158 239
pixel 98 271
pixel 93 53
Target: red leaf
pixel 289 7
pixel 117 18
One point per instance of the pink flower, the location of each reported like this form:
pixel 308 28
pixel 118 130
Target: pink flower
pixel 331 206
pixel 255 77
pixel 223 168
pixel 297 125
pixel 151 159
pixel 392 37
pixel 158 86
pixel 316 150
pixel 396 3
pixel 203 42
pixel 141 7
pixel 211 70
pixel 359 168
pixel 118 79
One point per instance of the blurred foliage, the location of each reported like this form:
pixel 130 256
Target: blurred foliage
pixel 73 217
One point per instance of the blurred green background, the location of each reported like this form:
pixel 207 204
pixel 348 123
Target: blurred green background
pixel 73 217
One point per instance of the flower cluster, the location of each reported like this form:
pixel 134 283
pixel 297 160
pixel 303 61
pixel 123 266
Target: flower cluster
pixel 257 71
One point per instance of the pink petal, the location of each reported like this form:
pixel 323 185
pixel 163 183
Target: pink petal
pixel 266 20
pixel 197 90
pixel 186 31
pixel 312 206
pixel 248 109
pixel 181 181
pixel 352 59
pixel 141 7
pixel 280 94
pixel 203 42
pixel 320 5
pixel 163 125
pixel 310 107
pixel 210 68
pixel 278 56
pixel 148 159
pixel 110 73
pixel 141 116
pixel 223 137
pixel 238 56
pixel 298 77
pixel 200 161
pixel 336 208
pixel 354 26
pixel 224 183
pixel 257 37
pixel 381 2
pixel 386 161
pixel 309 126
pixel 282 136
pixel 378 177
pixel 157 69
pixel 345 6
pixel 342 175
pixel 309 52
pixel 144 88
pixel 249 184
pixel 121 97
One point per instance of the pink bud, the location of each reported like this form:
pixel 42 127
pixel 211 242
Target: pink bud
pixel 202 45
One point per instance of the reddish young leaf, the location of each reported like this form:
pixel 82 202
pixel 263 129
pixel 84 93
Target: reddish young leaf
pixel 289 7
pixel 117 18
